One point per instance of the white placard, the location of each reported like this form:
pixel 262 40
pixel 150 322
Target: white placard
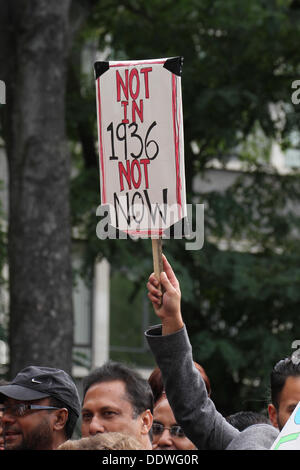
pixel 141 145
pixel 289 437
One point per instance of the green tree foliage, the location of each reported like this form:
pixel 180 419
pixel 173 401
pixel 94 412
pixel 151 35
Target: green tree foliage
pixel 240 304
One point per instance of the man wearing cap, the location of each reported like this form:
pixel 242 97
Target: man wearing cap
pixel 40 408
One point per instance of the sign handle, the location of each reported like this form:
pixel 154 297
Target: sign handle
pixel 157 259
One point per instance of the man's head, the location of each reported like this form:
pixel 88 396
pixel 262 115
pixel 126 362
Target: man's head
pixel 103 441
pixel 40 409
pixel 285 391
pixel 243 419
pixel 117 399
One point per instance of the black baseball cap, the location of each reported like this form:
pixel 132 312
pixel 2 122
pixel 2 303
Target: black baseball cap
pixel 35 383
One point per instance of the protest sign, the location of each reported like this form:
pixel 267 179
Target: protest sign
pixel 141 150
pixel 141 146
pixel 289 437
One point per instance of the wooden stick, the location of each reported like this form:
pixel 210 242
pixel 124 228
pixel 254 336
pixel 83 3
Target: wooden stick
pixel 157 259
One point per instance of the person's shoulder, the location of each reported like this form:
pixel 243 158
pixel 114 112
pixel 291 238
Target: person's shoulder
pixel 256 437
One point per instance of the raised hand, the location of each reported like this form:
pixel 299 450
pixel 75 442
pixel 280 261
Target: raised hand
pixel 166 304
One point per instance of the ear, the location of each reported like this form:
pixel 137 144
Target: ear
pixel 146 420
pixel 273 415
pixel 60 419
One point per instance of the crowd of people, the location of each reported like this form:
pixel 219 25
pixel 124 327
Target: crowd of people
pixel 120 410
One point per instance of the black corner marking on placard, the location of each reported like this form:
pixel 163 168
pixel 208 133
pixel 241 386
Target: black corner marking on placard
pixel 100 68
pixel 174 65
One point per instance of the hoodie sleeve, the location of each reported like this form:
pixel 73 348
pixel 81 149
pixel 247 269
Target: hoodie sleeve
pixel 186 391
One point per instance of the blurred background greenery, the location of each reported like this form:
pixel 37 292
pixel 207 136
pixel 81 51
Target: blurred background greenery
pixel 240 292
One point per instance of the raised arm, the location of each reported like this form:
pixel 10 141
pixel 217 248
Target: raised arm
pixel 184 385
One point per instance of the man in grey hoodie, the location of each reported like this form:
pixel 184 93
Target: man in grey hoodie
pixel 185 388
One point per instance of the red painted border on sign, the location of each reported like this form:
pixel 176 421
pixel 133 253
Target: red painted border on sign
pixel 176 144
pixel 145 232
pixel 103 199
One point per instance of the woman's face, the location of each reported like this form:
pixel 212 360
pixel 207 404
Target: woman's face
pixel 167 440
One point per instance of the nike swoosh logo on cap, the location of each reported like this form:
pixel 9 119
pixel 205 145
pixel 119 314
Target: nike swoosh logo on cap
pixel 36 381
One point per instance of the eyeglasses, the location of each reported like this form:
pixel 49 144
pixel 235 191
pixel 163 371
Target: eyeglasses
pixel 20 409
pixel 175 431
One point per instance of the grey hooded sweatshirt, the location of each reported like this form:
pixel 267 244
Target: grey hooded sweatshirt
pixel 193 409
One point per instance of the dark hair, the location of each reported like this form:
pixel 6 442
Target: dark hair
pixel 72 417
pixel 244 419
pixel 281 371
pixel 156 381
pixel 137 389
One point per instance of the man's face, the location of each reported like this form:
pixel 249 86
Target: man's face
pixel 288 400
pixel 106 408
pixel 29 432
